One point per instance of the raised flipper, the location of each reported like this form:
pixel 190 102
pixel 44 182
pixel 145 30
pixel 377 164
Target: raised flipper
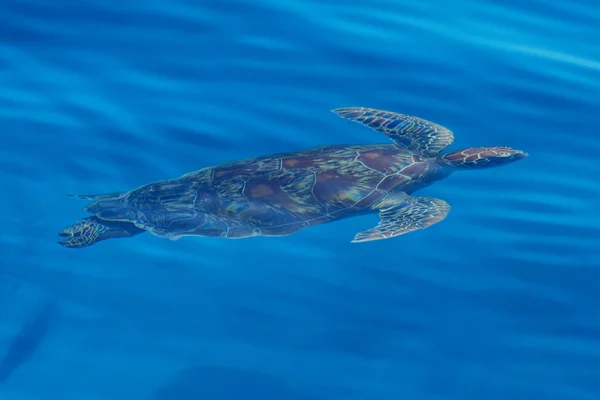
pixel 92 230
pixel 404 214
pixel 419 135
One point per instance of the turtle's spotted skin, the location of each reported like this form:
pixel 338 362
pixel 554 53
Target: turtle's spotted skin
pixel 282 193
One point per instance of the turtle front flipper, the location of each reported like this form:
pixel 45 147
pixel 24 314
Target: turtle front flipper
pixel 92 230
pixel 419 135
pixel 403 215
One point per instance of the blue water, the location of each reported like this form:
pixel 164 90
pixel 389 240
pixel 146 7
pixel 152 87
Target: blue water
pixel 498 301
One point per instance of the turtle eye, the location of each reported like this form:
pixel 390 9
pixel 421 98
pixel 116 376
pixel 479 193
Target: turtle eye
pixel 503 154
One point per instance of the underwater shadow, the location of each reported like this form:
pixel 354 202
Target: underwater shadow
pixel 219 383
pixel 26 342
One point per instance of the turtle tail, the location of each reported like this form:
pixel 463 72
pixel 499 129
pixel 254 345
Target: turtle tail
pixel 92 230
pixel 114 195
pixel 109 206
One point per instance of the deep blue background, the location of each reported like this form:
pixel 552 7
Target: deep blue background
pixel 500 301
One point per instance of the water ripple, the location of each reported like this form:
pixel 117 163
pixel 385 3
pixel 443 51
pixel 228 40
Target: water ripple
pixel 497 301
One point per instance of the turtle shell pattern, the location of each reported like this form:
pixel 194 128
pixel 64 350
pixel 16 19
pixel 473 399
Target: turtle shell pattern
pixel 274 195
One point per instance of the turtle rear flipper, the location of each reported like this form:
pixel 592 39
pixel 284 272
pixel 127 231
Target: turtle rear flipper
pixel 92 230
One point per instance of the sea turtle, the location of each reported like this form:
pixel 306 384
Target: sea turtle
pixel 280 194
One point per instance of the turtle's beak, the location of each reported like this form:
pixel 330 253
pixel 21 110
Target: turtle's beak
pixel 519 155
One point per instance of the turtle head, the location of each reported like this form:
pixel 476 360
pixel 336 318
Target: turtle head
pixel 482 157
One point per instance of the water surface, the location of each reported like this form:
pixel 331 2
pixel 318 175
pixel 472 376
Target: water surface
pixel 498 301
